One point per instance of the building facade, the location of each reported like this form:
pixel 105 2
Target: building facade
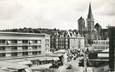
pixel 100 45
pixel 77 42
pixel 62 41
pixel 68 40
pixel 112 49
pixel 81 25
pixel 22 45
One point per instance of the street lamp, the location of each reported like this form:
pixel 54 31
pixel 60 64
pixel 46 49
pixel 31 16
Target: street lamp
pixel 85 59
pixel 85 63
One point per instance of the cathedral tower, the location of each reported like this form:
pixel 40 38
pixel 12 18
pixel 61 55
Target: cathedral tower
pixel 90 20
pixel 90 26
pixel 81 25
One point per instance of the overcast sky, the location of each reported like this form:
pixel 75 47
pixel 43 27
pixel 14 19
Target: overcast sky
pixel 62 14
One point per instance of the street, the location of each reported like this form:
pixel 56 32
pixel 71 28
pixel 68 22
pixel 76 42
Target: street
pixel 75 67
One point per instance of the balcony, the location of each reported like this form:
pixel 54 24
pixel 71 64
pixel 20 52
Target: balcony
pixel 19 44
pixel 29 50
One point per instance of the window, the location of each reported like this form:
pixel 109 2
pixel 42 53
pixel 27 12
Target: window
pixel 67 39
pixel 39 41
pixel 34 47
pixel 56 39
pixel 2 48
pixel 66 43
pixel 106 47
pixel 2 41
pixel 103 42
pixel 39 52
pixel 14 54
pixel 39 46
pixel 107 42
pixel 14 41
pixel 46 49
pixel 24 47
pixel 47 40
pixel 34 53
pixel 2 54
pixel 47 45
pixel 34 41
pixel 24 41
pixel 25 53
pixel 96 42
pixel 14 48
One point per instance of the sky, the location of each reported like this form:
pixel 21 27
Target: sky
pixel 59 14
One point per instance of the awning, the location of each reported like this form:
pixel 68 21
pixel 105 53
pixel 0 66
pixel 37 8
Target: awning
pixel 44 58
pixel 60 51
pixel 25 62
pixel 48 58
pixel 45 66
pixel 55 58
pixel 20 61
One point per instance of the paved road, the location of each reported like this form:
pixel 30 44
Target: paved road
pixel 62 68
pixel 75 67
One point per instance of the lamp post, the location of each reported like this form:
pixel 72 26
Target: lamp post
pixel 85 54
pixel 85 59
pixel 85 62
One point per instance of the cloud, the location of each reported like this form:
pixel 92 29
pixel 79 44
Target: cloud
pixel 61 14
pixel 107 8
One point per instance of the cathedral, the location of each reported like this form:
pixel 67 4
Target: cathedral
pixel 90 30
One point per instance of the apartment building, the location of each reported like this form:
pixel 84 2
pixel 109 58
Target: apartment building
pixel 77 42
pixel 62 42
pixel 67 40
pixel 21 45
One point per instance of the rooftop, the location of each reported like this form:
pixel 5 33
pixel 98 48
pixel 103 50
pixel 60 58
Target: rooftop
pixel 23 34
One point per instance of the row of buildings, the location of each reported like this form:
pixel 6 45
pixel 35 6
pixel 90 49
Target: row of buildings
pixel 15 44
pixel 67 40
pixel 34 48
pixel 22 51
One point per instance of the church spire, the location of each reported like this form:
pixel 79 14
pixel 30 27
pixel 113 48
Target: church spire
pixel 90 15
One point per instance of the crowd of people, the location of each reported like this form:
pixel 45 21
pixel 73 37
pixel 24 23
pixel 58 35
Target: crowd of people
pixel 73 54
